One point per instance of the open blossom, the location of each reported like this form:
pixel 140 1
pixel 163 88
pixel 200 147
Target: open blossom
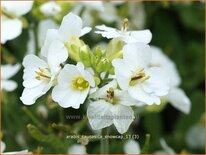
pixel 73 86
pixel 7 72
pixel 39 75
pixel 70 29
pixel 145 84
pixel 50 8
pixel 143 36
pixel 176 95
pixel 112 106
pixel 10 16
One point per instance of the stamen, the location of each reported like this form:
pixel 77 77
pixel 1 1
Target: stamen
pixel 139 77
pixel 125 24
pixel 42 73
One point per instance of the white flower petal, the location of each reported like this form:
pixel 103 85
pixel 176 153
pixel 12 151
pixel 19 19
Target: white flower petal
pixel 81 99
pixel 8 30
pixel 132 147
pixel 107 32
pixel 33 62
pixel 137 55
pixel 158 82
pixel 123 117
pixel 159 59
pixel 122 72
pixel 71 26
pixel 139 94
pixel 143 36
pixel 66 97
pixel 9 70
pixel 3 147
pixel 85 30
pixel 30 95
pixel 8 85
pixel 44 26
pixel 29 77
pixel 57 54
pixel 17 8
pixel 50 8
pixel 179 100
pixel 126 99
pixel 99 114
pixel 51 35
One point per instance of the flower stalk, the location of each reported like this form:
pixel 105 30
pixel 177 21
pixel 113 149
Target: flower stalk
pixel 105 141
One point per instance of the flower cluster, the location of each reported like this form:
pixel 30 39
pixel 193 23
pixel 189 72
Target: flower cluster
pixel 127 74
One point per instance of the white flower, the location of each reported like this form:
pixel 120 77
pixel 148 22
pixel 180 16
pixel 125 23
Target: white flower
pixel 7 72
pixel 73 86
pixel 112 106
pixel 10 16
pixel 195 137
pixel 166 148
pixel 132 147
pixel 77 149
pixel 3 147
pixel 70 28
pixel 50 8
pixel 176 95
pixel 144 84
pixel 39 75
pixel 143 36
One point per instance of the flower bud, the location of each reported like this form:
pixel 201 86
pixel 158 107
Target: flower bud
pixel 103 65
pixel 98 52
pixel 85 56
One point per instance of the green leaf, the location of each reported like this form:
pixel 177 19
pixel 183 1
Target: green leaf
pixel 53 140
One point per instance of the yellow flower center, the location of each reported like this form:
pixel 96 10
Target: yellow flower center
pixel 139 77
pixel 43 74
pixel 80 83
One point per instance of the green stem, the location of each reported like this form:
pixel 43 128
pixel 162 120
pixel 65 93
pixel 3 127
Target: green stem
pixel 61 114
pixel 35 31
pixel 104 141
pixel 34 119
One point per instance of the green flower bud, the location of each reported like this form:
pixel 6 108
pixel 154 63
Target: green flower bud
pixel 73 51
pixel 98 52
pixel 103 65
pixel 114 49
pixel 85 55
pixel 73 46
pixel 96 80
